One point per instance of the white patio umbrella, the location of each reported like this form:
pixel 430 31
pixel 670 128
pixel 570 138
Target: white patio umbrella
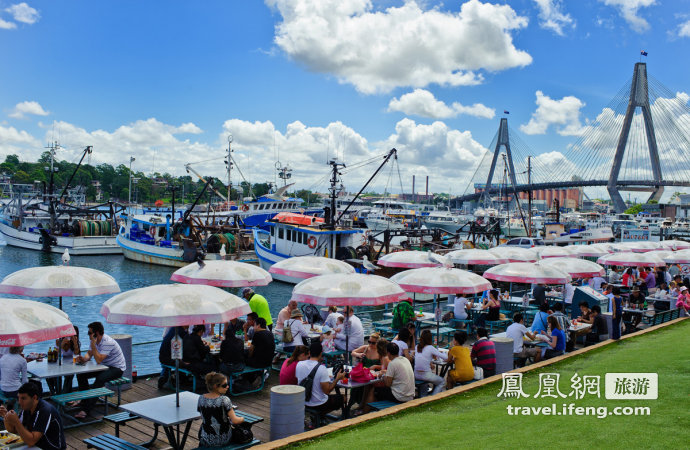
pixel 608 247
pixel 298 268
pixel 173 305
pixel 673 244
pixel 527 273
pixel 475 256
pixel 515 254
pixel 221 273
pixel 25 322
pixel 640 247
pixel 630 259
pixel 552 251
pixel 575 267
pixel 587 251
pixel 679 257
pixel 412 259
pixel 661 254
pixel 58 281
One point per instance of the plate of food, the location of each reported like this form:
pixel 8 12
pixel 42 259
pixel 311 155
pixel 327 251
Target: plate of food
pixel 10 440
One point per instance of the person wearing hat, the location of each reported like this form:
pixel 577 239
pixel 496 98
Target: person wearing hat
pixel 327 339
pixel 259 305
pixel 683 301
pixel 297 328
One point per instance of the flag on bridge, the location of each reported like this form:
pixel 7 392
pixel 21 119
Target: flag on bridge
pixel 506 112
pixel 643 53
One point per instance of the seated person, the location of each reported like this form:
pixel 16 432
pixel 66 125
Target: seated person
pixel 287 371
pixel 422 362
pixel 368 354
pixel 557 341
pixel 484 353
pixel 540 323
pixel 248 327
pixel 231 354
pixel 217 413
pixel 234 326
pixel 164 353
pixel 585 317
pixel 339 323
pixel 459 356
pixel 39 424
pixel 333 315
pixel 71 347
pixel 398 378
pixel 297 329
pixel 260 353
pixel 600 330
pixel 195 352
pixel 493 305
pixel 12 372
pixel 517 331
pixel 321 398
pixel 404 341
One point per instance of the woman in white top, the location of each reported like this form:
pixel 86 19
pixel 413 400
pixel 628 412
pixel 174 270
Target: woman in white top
pixel 460 307
pixel 403 340
pixel 12 372
pixel 332 319
pixel 422 362
pixel 297 329
pixel 70 348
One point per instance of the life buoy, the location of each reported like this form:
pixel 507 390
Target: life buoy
pixel 245 207
pixel 311 242
pixel 152 232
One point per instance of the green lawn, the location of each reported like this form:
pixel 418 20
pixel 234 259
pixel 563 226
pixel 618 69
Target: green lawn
pixel 479 419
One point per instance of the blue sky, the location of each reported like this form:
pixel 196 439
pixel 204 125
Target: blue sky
pixel 302 80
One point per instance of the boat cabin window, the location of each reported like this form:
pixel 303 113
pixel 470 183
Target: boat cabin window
pixel 280 233
pixel 275 205
pixel 273 231
pixel 289 234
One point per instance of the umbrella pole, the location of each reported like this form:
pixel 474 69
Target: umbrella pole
pixel 177 377
pixel 437 317
pixel 60 352
pixel 60 303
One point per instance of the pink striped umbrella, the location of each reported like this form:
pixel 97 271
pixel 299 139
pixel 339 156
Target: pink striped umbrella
pixel 349 289
pixel 412 259
pixel 527 273
pixel 639 247
pixel 222 273
pixel 630 259
pixel 27 322
pixel 679 257
pixel 475 256
pixel 439 280
pixel 552 251
pixel 303 267
pixel 587 251
pixel 575 267
pixel 675 244
pixel 515 254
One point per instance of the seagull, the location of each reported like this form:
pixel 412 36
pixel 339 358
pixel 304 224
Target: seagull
pixel 438 259
pixel 65 258
pixel 368 265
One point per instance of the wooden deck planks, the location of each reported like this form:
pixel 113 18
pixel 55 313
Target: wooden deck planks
pixel 141 430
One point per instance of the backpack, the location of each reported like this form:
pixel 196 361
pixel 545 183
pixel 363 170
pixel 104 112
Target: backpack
pixel 308 383
pixel 402 314
pixel 287 333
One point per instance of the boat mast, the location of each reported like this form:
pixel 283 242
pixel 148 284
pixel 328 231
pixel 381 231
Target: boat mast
pixel 228 164
pixel 51 206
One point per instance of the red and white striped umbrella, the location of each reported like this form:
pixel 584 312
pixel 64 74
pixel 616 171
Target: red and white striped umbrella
pixel 587 251
pixel 608 247
pixel 411 259
pixel 661 254
pixel 575 267
pixel 475 256
pixel 679 257
pixel 515 254
pixel 675 244
pixel 630 259
pixel 638 247
pixel 303 267
pixel 439 280
pixel 221 273
pixel 59 281
pixel 350 289
pixel 527 273
pixel 552 251
pixel 26 322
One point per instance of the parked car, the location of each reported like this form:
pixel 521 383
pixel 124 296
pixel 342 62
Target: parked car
pixel 523 242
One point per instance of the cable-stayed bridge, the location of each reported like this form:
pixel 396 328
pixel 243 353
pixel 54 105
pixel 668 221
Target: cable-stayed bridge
pixel 639 142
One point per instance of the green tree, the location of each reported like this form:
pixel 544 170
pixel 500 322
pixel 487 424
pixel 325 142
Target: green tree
pixel 21 177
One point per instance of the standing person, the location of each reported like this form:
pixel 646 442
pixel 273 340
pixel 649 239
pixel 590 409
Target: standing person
pixel 422 362
pixel 617 313
pixel 628 277
pixel 539 294
pixel 259 305
pixel 568 292
pixel 321 398
pixel 402 313
pixel 104 350
pixel 484 353
pixel 217 413
pixel 284 315
pixel 12 372
pixel 650 280
pixel 39 424
pixel 352 332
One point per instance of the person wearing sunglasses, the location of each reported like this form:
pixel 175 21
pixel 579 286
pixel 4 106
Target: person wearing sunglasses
pixel 368 354
pixel 217 413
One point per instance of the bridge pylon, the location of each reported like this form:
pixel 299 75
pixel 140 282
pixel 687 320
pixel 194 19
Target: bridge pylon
pixel 639 98
pixel 502 140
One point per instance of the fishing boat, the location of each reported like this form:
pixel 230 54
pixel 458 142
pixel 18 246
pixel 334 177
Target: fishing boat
pixel 44 221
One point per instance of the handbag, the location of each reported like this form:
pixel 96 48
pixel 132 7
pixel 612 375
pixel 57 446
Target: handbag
pixel 360 374
pixel 241 434
pixel 287 334
pixel 308 382
pixel 478 373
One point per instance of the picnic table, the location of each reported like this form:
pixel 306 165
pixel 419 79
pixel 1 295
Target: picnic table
pixel 347 405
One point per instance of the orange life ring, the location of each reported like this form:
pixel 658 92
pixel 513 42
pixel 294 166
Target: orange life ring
pixel 152 232
pixel 245 207
pixel 311 242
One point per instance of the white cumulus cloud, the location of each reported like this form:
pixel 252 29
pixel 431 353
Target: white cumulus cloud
pixel 5 25
pixel 378 50
pixel 552 17
pixel 684 29
pixel 421 102
pixel 628 10
pixel 24 13
pixel 564 112
pixel 29 107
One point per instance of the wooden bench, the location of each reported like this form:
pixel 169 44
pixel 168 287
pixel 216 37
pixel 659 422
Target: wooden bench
pixel 120 418
pixel 182 371
pixel 110 442
pixel 236 375
pixel 62 399
pixel 383 404
pixel 232 446
pixel 117 384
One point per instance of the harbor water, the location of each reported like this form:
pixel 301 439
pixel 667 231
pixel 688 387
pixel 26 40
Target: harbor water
pixel 129 275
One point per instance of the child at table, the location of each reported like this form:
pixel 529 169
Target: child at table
pixel 327 341
pixel 339 324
